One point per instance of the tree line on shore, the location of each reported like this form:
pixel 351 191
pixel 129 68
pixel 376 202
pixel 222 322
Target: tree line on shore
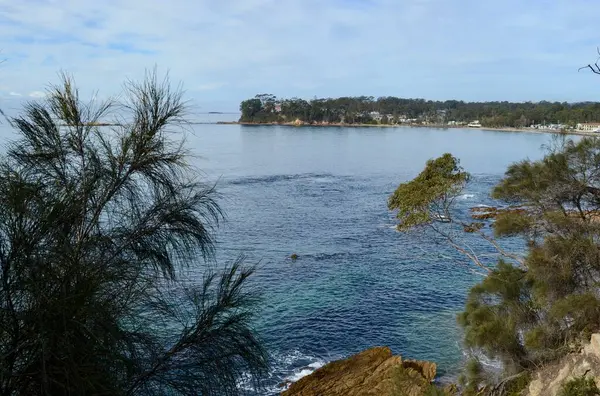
pixel 267 108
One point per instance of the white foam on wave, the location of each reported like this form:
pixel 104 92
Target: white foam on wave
pixel 466 196
pixel 304 371
pixel 323 179
pixel 493 364
pixel 388 225
pixel 292 357
pixel 286 374
pixel 317 365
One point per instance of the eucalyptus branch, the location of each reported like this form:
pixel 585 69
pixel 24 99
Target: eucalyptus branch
pixel 465 250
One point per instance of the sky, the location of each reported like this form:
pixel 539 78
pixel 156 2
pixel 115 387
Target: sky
pixel 224 51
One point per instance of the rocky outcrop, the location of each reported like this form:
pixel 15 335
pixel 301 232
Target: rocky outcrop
pixel 373 372
pixel 426 369
pixel 549 380
pixel 490 212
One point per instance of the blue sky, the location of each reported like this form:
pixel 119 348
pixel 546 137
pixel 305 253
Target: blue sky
pixel 227 50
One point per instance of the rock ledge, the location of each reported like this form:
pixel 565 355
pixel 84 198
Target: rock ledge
pixel 375 371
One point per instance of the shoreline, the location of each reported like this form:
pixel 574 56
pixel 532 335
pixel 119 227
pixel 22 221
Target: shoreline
pixel 433 126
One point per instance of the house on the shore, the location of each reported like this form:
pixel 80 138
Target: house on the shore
pixel 376 116
pixel 589 127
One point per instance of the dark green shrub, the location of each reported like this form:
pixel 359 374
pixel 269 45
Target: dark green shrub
pixel 99 228
pixel 579 387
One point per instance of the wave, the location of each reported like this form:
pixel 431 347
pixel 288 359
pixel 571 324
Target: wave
pixel 299 374
pixel 315 177
pixel 388 225
pixel 466 196
pixel 288 368
pixel 324 179
pixel 330 256
pixel 491 364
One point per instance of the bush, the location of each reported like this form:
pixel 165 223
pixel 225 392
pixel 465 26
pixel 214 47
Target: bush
pixel 494 310
pixel 98 228
pixel 579 387
pixel 532 307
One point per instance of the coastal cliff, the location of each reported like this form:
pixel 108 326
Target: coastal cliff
pixel 550 380
pixel 373 372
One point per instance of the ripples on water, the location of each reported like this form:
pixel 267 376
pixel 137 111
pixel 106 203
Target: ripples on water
pixel 357 282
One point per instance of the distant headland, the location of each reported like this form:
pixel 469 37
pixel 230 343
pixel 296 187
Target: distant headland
pixel 266 109
pixel 92 124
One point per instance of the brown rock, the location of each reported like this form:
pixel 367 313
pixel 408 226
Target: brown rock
pixel 594 346
pixel 373 372
pixel 548 380
pixel 484 209
pixel 426 369
pixel 284 384
pixel 486 213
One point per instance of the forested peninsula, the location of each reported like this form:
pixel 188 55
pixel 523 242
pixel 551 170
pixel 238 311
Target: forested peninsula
pixel 368 110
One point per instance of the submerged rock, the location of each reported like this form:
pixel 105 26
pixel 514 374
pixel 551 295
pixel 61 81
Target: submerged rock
pixel 373 372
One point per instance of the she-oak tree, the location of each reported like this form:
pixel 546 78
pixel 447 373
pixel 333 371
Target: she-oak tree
pixel 99 226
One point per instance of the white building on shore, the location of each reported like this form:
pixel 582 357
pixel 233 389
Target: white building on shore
pixel 589 127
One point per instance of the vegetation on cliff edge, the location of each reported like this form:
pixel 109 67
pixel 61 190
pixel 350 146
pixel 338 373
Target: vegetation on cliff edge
pixel 533 308
pixel 98 230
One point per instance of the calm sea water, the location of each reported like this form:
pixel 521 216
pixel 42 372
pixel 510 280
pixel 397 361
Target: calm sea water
pixel 321 193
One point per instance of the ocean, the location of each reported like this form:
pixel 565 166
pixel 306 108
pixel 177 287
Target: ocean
pixel 321 193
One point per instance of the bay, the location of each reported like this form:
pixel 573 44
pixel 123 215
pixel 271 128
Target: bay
pixel 321 193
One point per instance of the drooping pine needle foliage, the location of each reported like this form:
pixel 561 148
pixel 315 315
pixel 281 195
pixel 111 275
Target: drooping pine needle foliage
pixel 98 228
pixel 535 311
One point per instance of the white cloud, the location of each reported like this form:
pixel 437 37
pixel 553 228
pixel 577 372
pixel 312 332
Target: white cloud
pixel 14 94
pixel 37 94
pixel 427 48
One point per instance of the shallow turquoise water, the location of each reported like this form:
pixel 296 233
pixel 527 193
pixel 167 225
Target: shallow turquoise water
pixel 321 193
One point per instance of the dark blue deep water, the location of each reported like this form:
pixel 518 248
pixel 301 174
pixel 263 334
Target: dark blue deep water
pixel 321 193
